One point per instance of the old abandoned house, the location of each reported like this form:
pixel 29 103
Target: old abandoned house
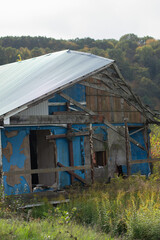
pixel 69 116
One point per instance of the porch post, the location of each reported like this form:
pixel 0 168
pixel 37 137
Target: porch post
pixel 91 152
pixel 1 175
pixel 127 147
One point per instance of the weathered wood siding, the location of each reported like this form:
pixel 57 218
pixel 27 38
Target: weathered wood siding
pixel 114 108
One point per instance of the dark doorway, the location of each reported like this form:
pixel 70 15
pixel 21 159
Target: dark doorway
pixel 42 157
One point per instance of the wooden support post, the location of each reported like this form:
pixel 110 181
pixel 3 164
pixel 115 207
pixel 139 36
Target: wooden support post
pixel 55 157
pixel 127 147
pixel 147 143
pixel 70 144
pixel 70 147
pixel 91 152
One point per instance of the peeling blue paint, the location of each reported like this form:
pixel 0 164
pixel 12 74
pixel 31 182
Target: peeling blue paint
pixel 17 189
pixel 17 158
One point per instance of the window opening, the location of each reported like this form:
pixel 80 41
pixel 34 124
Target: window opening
pixel 100 158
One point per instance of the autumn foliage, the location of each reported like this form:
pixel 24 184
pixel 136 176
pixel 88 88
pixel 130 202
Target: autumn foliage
pixel 155 141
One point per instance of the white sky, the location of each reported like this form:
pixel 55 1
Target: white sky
pixel 66 19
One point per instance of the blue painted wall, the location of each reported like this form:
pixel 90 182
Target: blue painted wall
pixel 138 154
pixel 18 159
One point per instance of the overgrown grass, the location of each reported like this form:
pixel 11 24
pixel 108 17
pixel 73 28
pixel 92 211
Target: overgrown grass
pixel 46 230
pixel 127 208
pixel 124 209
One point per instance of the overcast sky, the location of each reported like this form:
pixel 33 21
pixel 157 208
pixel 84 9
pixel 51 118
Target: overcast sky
pixel 68 19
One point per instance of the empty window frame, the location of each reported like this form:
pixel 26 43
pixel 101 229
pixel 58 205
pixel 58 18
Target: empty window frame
pixel 100 158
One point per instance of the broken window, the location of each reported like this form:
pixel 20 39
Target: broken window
pixel 100 158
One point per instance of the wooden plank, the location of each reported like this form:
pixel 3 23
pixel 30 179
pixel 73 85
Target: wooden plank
pixel 46 170
pixel 62 103
pixel 149 160
pixel 73 174
pixel 67 135
pixel 138 130
pixel 85 109
pixel 112 109
pixel 43 203
pixel 54 119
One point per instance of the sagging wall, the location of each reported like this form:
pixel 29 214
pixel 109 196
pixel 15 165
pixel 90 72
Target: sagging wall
pixel 16 156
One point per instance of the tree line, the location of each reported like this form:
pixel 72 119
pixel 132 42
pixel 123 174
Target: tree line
pixel 138 58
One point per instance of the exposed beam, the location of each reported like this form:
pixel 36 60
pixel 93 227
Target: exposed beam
pixel 67 135
pixel 62 103
pixel 55 119
pixel 85 109
pixel 138 130
pixel 97 87
pixel 46 170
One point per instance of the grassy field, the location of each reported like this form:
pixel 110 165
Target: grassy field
pixel 124 209
pixel 43 229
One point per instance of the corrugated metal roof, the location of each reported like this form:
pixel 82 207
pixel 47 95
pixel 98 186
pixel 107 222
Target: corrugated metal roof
pixel 26 81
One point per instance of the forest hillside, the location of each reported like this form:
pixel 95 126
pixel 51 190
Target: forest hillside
pixel 138 58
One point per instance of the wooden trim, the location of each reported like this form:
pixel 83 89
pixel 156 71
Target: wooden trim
pixel 46 170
